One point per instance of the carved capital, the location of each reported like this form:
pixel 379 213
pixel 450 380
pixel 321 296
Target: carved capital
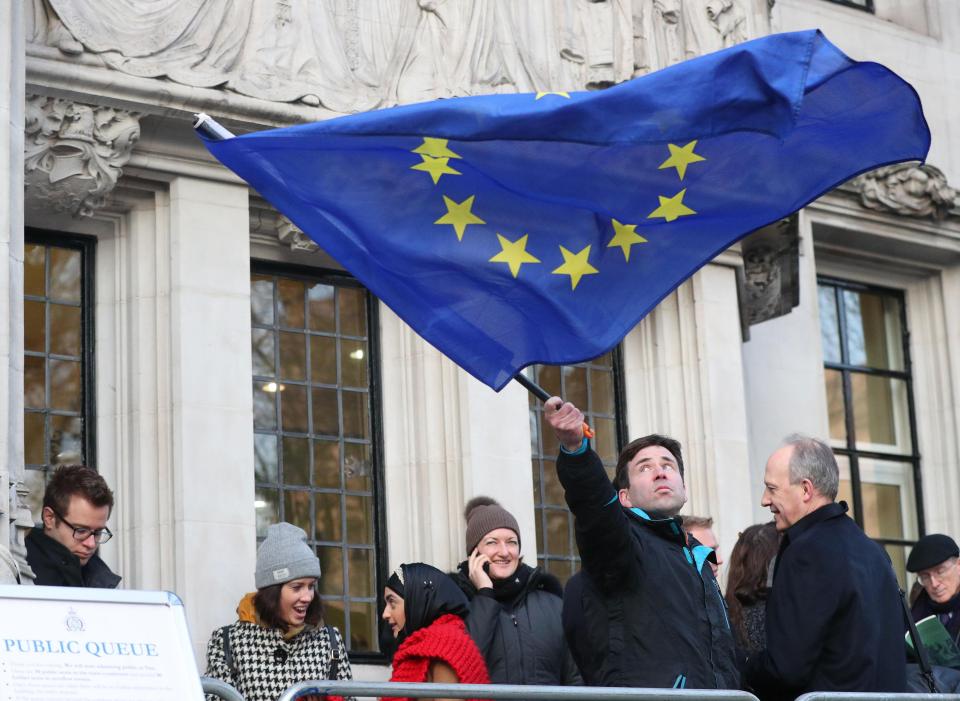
pixel 289 234
pixel 771 267
pixel 74 153
pixel 907 189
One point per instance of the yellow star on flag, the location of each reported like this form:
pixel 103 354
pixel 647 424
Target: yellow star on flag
pixel 436 148
pixel 575 265
pixel 436 167
pixel 671 207
pixel 459 215
pixel 681 157
pixel 545 93
pixel 514 253
pixel 626 236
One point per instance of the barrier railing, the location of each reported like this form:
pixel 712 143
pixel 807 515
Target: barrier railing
pixel 221 689
pixel 323 687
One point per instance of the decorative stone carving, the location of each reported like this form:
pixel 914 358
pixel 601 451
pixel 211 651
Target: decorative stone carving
pixel 908 189
pixel 21 523
pixel 353 55
pixel 771 267
pixel 74 153
pixel 289 234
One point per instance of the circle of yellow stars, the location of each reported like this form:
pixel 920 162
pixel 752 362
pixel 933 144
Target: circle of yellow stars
pixel 436 157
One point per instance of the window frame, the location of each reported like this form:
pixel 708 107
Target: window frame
pixel 86 245
pixel 845 368
pixel 540 508
pixel 339 278
pixel 867 6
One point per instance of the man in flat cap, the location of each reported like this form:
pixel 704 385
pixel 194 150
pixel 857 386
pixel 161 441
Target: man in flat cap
pixel 936 560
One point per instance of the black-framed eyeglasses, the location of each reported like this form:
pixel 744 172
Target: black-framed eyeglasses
pixel 81 533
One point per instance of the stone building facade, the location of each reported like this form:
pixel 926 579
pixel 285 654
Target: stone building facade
pixel 164 324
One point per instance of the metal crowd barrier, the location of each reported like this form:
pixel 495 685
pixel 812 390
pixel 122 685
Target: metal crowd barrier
pixel 221 689
pixel 504 691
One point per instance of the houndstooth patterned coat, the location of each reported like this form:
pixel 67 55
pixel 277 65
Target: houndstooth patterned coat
pixel 265 665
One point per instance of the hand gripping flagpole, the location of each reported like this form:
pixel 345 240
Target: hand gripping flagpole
pixel 208 127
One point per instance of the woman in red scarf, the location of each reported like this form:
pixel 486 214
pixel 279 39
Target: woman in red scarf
pixel 425 611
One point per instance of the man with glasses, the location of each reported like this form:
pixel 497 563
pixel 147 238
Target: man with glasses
pixel 63 550
pixel 936 560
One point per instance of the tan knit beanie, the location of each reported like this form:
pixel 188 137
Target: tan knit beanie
pixel 483 515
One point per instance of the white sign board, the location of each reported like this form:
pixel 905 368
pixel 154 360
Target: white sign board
pixel 75 644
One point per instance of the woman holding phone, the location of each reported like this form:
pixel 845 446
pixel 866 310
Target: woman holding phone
pixel 514 608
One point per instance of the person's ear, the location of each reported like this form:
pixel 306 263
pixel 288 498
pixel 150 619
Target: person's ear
pixel 808 489
pixel 49 518
pixel 624 496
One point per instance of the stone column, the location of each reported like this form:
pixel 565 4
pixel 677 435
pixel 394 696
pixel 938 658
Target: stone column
pixel 12 77
pixel 211 484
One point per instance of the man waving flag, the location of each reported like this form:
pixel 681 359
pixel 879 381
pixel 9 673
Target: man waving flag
pixel 540 228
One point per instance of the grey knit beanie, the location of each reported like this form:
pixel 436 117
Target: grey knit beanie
pixel 284 556
pixel 483 515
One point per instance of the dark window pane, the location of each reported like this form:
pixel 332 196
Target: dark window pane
pixel 552 489
pixel 550 446
pixel 267 507
pixel 264 405
pixel 549 376
pixel 898 556
pixel 34 438
pixel 361 572
pixel 34 262
pixel 263 347
pixel 558 535
pixel 356 415
pixel 65 385
pixel 331 570
pixel 293 356
pixel 34 327
pixel 66 440
pixel 326 417
pixel 874 336
pixel 363 625
pixel 888 494
pixel 265 457
pixel 290 312
pixel 333 614
pixel 829 326
pixel 359 519
pixel 323 360
pixel 65 330
pixel 329 526
pixel 296 508
pixel 601 392
pixel 353 363
pixel 261 300
pixel 358 467
pixel 353 312
pixel 880 413
pixel 605 440
pixel 34 382
pixel 64 274
pixel 296 461
pixel 835 405
pixel 575 385
pixel 326 464
pixel 322 310
pixel 293 409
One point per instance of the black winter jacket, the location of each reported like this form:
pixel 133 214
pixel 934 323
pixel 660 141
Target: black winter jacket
pixel 648 611
pixel 834 617
pixel 56 566
pixel 521 640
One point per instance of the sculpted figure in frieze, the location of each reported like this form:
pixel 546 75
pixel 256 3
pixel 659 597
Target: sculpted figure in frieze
pixel 353 55
pixel 908 189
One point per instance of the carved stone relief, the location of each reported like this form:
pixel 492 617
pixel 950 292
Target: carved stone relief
pixel 908 189
pixel 289 234
pixel 353 55
pixel 771 267
pixel 74 153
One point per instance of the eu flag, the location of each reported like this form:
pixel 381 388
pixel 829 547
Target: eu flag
pixel 540 228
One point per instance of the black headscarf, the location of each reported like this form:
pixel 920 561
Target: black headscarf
pixel 428 594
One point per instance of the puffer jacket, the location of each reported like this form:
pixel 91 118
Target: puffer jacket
pixel 521 639
pixel 265 662
pixel 647 611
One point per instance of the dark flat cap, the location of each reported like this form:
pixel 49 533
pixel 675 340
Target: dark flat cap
pixel 930 551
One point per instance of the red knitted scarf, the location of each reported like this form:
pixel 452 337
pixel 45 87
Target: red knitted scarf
pixel 445 639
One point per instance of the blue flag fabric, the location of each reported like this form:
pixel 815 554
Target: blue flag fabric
pixel 540 228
